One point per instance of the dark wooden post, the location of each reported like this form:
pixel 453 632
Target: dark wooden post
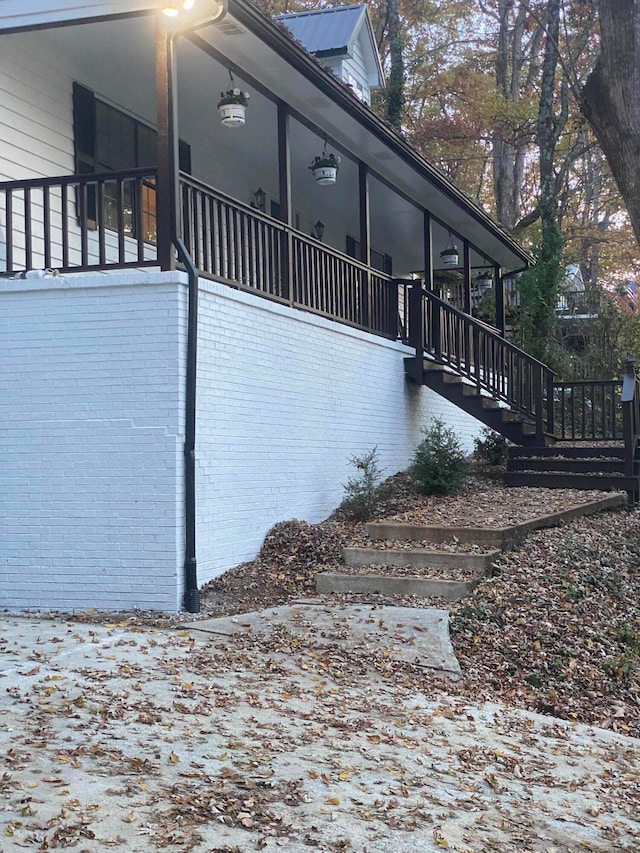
pixel 499 292
pixel 538 403
pixel 416 331
pixel 429 283
pixel 467 278
pixel 630 404
pixel 551 404
pixel 428 250
pixel 167 182
pixel 365 242
pixel 284 184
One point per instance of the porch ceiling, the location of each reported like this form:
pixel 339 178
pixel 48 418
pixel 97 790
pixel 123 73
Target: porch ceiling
pixel 266 59
pixel 262 49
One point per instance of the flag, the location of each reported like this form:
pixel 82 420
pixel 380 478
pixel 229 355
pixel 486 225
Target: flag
pixel 631 293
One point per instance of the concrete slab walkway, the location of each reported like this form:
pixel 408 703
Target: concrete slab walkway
pixel 142 740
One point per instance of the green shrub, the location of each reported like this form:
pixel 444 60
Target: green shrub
pixel 439 465
pixel 492 448
pixel 361 491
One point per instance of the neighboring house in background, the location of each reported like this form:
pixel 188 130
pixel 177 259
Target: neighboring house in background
pixel 200 364
pixel 343 39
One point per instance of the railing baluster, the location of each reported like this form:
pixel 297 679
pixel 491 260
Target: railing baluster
pixel 9 228
pixel 46 225
pixel 28 244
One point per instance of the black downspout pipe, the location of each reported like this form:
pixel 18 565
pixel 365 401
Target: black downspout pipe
pixel 191 593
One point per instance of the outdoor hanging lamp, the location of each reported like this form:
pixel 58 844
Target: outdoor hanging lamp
pixel 173 8
pixel 318 229
pixel 260 200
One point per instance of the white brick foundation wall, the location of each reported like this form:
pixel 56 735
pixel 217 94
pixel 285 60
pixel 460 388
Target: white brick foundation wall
pixel 92 431
pixel 91 436
pixel 285 398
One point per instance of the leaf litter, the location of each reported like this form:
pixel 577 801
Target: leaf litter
pixel 131 734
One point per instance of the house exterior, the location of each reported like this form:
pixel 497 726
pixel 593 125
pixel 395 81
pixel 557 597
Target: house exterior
pixel 343 39
pixel 185 361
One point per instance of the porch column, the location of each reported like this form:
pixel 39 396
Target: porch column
pixel 499 290
pixel 284 163
pixel 467 278
pixel 284 191
pixel 167 184
pixel 365 239
pixel 428 250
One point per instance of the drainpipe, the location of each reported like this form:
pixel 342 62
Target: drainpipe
pixel 191 594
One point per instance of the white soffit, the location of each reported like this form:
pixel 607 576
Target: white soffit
pixel 29 13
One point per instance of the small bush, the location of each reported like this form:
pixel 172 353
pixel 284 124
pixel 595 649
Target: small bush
pixel 362 491
pixel 492 448
pixel 439 465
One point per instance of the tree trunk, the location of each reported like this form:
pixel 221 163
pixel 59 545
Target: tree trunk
pixel 395 85
pixel 611 98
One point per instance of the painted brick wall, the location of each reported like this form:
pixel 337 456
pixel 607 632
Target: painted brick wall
pixel 91 431
pixel 91 436
pixel 284 399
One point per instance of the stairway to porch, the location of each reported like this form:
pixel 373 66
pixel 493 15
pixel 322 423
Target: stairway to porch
pixel 582 434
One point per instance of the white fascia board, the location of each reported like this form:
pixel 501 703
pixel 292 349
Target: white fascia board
pixel 16 14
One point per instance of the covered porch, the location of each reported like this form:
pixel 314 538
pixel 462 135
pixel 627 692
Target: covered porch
pixel 149 166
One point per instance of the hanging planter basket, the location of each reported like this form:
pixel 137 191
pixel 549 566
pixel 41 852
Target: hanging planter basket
pixel 232 114
pixel 449 256
pixel 484 283
pixel 232 106
pixel 325 169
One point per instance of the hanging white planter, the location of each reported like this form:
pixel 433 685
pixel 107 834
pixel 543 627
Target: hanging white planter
pixel 484 283
pixel 449 256
pixel 232 106
pixel 232 115
pixel 325 175
pixel 325 168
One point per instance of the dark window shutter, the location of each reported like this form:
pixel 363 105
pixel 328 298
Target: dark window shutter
pixel 84 128
pixel 184 157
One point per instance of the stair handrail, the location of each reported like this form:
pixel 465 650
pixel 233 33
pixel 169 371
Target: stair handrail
pixel 481 355
pixel 630 399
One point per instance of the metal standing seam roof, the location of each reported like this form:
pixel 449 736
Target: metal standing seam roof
pixel 324 30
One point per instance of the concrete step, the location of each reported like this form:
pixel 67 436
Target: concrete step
pixel 330 582
pixel 419 558
pixel 489 537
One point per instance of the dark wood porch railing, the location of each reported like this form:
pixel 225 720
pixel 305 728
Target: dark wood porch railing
pixel 246 248
pixel 96 221
pixel 77 222
pixel 478 352
pixel 586 410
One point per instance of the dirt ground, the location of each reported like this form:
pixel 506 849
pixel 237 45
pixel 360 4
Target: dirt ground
pixel 144 739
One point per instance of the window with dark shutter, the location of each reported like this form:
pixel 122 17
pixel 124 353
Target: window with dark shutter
pixel 106 139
